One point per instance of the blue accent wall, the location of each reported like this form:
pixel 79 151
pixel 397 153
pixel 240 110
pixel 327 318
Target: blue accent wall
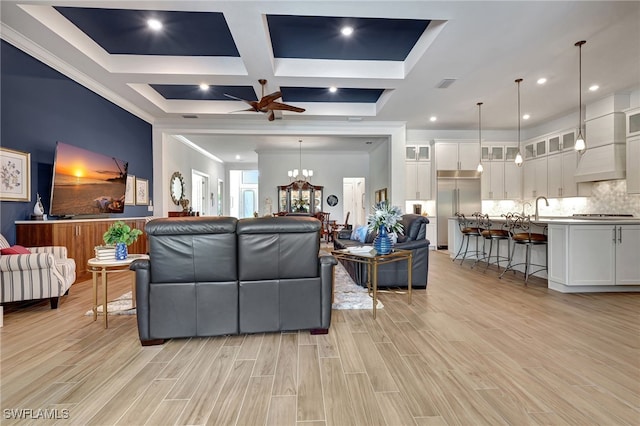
pixel 39 106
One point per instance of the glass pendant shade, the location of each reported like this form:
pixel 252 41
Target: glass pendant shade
pixel 518 159
pixel 580 145
pixel 480 168
pixel 295 173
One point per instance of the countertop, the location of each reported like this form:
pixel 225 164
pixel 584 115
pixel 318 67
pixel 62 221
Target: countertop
pixel 571 220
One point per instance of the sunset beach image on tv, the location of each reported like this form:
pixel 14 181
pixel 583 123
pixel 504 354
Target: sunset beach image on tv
pixel 86 182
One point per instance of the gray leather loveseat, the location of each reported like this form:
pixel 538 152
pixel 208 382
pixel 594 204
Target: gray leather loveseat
pixel 394 274
pixel 210 276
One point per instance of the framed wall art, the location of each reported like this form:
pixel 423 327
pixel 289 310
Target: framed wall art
pixel 142 192
pixel 130 192
pixel 15 175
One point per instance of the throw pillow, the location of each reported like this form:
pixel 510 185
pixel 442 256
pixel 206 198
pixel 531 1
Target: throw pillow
pixel 15 250
pixel 361 233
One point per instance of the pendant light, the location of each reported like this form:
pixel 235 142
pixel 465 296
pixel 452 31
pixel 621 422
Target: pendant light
pixel 480 169
pixel 518 159
pixel 580 145
pixel 295 173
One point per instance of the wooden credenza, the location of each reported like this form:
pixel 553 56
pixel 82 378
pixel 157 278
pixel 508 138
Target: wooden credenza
pixel 78 236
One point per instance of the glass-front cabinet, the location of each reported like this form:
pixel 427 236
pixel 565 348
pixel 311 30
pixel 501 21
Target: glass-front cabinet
pixel 300 197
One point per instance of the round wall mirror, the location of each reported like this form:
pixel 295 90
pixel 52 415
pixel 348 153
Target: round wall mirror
pixel 176 187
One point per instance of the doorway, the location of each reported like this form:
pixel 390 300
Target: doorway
pixel 353 194
pixel 199 191
pixel 244 193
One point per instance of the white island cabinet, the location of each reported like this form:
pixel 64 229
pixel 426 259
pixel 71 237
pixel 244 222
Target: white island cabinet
pixel 594 257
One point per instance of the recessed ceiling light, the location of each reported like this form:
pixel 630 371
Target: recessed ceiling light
pixel 594 88
pixel 526 117
pixel 204 86
pixel 333 89
pixel 433 118
pixel 542 80
pixel 346 31
pixel 154 24
pixel 237 156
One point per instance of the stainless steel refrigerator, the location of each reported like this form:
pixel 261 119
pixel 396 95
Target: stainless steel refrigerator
pixel 458 191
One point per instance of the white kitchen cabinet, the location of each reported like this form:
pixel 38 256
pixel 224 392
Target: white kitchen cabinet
pixel 535 177
pixel 560 170
pixel 418 180
pixel 432 232
pixel 603 255
pixel 633 151
pixel 457 155
pixel 418 153
pixel 512 181
pixel 633 165
pixel 493 180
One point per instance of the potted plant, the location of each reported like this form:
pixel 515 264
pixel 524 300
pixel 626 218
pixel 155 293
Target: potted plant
pixel 121 235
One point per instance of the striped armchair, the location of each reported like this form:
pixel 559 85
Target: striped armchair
pixel 45 273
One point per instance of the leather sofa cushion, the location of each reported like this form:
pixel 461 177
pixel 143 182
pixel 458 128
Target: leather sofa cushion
pixel 197 249
pixel 278 248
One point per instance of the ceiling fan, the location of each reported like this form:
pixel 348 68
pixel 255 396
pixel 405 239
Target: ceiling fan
pixel 267 104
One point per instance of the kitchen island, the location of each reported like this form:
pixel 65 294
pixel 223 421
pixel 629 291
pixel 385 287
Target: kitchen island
pixel 584 255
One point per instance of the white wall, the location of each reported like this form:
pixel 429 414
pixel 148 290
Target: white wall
pixel 328 170
pixel 179 157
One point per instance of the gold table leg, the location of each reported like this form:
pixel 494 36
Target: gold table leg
pixel 94 274
pixel 375 287
pixel 104 298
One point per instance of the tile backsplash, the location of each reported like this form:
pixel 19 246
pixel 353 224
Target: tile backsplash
pixel 607 197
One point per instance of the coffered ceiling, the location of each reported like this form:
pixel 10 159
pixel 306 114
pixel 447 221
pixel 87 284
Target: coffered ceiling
pixel 391 68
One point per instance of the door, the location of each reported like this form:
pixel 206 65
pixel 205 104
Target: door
pixel 353 194
pixel 593 255
pixel 627 249
pixel 199 191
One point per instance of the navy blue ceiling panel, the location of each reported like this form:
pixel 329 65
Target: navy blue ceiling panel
pixel 315 94
pixel 319 37
pixel 125 31
pixel 214 93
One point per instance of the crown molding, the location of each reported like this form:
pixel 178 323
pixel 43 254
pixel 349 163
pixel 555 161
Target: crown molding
pixel 33 49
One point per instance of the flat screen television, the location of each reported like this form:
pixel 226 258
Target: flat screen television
pixel 86 182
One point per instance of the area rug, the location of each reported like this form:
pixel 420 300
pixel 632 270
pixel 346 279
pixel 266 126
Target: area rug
pixel 123 305
pixel 347 295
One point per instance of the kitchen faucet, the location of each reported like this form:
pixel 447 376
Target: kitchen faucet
pixel 538 199
pixel 524 208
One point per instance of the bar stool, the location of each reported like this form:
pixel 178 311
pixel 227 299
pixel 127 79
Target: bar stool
pixel 521 235
pixel 469 228
pixel 491 234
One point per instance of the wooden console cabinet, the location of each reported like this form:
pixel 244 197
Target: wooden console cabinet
pixel 78 236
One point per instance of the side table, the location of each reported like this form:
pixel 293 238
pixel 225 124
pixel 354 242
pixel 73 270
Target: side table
pixel 104 267
pixel 372 262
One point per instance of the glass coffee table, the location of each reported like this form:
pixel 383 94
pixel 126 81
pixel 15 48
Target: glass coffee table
pixel 372 261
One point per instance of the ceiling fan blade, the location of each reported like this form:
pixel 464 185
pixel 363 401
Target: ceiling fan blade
pixel 266 100
pixel 242 110
pixel 283 107
pixel 254 104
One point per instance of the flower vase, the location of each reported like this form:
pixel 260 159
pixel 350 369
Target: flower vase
pixel 121 251
pixel 382 242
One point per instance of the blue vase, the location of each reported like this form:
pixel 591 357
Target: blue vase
pixel 121 251
pixel 382 243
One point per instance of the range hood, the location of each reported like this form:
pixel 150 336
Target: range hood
pixel 606 162
pixel 606 153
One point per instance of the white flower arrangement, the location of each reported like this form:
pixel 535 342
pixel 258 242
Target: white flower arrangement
pixel 387 215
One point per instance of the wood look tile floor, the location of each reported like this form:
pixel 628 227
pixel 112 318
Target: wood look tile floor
pixel 470 350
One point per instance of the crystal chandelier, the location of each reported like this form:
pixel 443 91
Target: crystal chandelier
pixel 300 174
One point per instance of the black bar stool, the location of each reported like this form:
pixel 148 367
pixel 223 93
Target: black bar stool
pixel 469 228
pixel 521 235
pixel 491 233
